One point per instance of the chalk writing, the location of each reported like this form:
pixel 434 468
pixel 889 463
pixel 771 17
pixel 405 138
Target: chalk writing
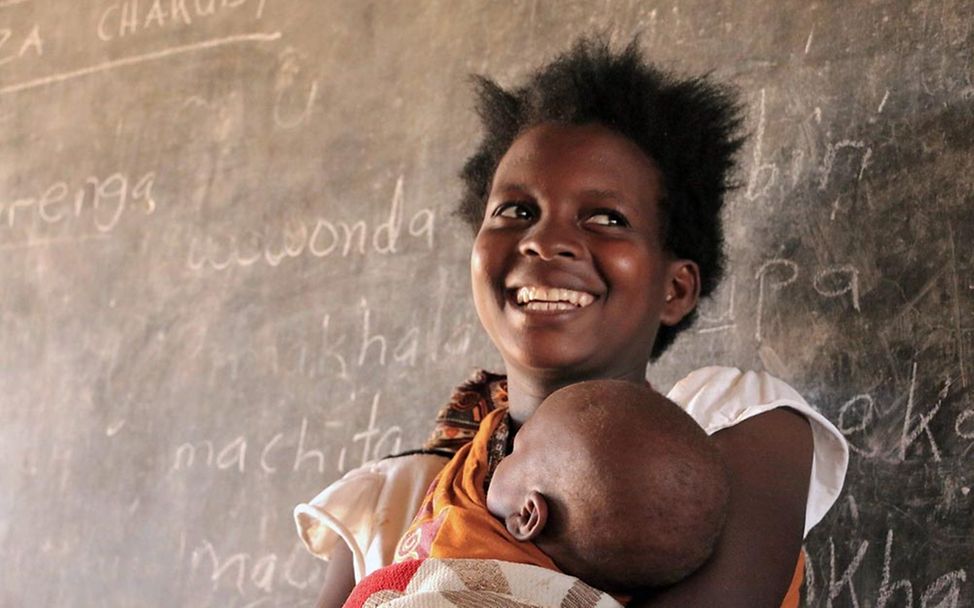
pixel 35 242
pixel 231 456
pixel 388 442
pixel 137 59
pixel 97 203
pixel 864 412
pixel 886 588
pixel 830 282
pixel 765 166
pixel 832 151
pixel 787 277
pixel 320 238
pixel 724 320
pixel 923 425
pixel 131 17
pixel 964 425
pixel 282 452
pixel 20 46
pixel 405 350
pixel 114 428
pixel 944 592
pixel 882 104
pixel 763 174
pixel 836 281
pixel 845 580
pixel 294 95
pixel 247 572
pixel 337 349
pixel 858 417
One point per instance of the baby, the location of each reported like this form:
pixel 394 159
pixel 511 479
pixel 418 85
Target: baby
pixel 608 481
pixel 615 483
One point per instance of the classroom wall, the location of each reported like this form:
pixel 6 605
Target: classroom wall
pixel 228 270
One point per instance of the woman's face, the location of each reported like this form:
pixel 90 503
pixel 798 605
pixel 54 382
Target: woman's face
pixel 569 274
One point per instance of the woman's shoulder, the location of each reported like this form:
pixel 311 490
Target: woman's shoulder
pixel 719 398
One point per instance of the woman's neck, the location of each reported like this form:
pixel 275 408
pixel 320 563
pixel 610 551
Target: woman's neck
pixel 525 397
pixel 527 389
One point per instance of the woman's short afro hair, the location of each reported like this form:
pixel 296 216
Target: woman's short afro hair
pixel 690 127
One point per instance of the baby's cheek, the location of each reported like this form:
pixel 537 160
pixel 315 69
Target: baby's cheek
pixel 497 492
pixel 492 506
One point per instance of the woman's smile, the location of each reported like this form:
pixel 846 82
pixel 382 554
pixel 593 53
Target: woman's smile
pixel 540 304
pixel 544 299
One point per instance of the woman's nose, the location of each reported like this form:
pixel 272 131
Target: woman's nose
pixel 551 239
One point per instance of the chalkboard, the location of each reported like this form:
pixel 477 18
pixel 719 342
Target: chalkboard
pixel 228 270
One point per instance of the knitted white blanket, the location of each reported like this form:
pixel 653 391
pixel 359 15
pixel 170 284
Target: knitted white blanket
pixel 474 583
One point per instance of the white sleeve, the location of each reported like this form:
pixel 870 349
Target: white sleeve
pixel 720 397
pixel 369 509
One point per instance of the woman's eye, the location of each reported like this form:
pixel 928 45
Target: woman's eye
pixel 518 211
pixel 607 218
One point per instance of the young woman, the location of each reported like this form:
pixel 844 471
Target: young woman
pixel 596 196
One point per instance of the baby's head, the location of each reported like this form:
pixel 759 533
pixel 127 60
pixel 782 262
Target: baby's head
pixel 616 483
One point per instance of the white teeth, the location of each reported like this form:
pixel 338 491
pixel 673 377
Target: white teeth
pixel 549 306
pixel 553 298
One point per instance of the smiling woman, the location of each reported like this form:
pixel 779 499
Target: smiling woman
pixel 596 198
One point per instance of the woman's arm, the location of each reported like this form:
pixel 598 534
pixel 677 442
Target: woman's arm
pixel 339 578
pixel 769 461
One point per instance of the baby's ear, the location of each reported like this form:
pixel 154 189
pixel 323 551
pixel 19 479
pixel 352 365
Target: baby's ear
pixel 526 523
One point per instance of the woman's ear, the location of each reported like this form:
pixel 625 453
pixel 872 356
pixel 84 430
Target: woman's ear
pixel 526 523
pixel 682 291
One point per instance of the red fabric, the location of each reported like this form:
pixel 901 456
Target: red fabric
pixel 393 578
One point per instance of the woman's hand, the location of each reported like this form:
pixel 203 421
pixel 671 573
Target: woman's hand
pixel 769 462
